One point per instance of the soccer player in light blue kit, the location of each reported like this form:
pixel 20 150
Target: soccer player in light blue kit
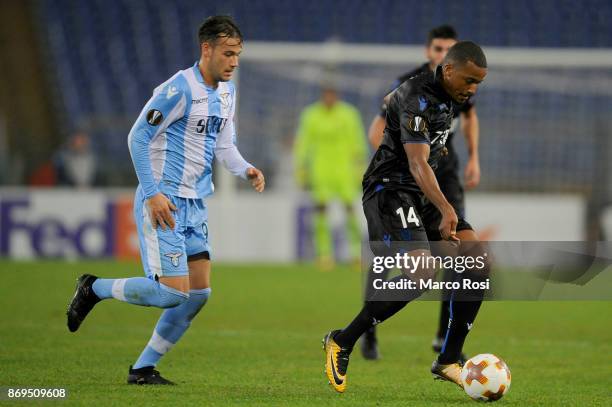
pixel 187 122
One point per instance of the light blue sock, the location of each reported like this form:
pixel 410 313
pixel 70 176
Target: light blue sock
pixel 139 291
pixel 171 326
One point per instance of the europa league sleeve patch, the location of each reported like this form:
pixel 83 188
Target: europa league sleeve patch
pixel 417 123
pixel 154 117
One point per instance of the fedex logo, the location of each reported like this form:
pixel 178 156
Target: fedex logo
pixel 63 226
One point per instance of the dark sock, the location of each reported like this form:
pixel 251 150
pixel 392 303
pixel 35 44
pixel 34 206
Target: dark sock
pixel 375 312
pixel 447 275
pixel 464 306
pixel 369 290
pixel 444 317
pixel 462 316
pixel 372 313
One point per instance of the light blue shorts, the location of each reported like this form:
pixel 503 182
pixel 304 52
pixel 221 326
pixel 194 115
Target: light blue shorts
pixel 164 253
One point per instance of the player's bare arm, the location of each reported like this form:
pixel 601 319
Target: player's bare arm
pixel 471 132
pixel 376 131
pixel 418 154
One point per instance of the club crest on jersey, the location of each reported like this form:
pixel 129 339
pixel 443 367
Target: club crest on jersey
pixel 174 258
pixel 417 123
pixel 225 100
pixel 154 117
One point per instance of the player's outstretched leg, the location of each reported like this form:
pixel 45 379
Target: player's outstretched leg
pixel 171 326
pixel 338 344
pixel 376 310
pixel 369 342
pixel 136 290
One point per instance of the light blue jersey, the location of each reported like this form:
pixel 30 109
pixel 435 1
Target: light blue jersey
pixel 183 127
pixel 179 132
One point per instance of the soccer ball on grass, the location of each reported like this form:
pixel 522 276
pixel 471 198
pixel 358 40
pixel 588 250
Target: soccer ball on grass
pixel 485 377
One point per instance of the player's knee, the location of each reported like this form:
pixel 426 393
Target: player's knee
pixel 423 270
pixel 190 307
pixel 425 274
pixel 197 299
pixel 172 301
pixel 478 254
pixel 200 294
pixel 170 297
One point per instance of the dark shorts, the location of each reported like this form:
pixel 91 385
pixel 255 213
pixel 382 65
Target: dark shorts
pixel 401 216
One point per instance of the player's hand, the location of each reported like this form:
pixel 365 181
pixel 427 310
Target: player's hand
pixel 257 179
pixel 160 208
pixel 448 225
pixel 472 173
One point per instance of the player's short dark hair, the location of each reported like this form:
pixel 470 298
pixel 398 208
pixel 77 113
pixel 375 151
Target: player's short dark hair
pixel 464 52
pixel 444 31
pixel 218 27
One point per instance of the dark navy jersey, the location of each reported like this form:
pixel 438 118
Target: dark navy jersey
pixel 458 108
pixel 418 111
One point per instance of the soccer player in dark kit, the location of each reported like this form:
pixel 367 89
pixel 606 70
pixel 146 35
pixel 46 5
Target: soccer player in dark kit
pixel 403 202
pixel 439 41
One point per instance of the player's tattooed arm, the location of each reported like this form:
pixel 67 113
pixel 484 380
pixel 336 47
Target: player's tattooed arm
pixel 418 155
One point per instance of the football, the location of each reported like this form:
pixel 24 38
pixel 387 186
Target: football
pixel 485 377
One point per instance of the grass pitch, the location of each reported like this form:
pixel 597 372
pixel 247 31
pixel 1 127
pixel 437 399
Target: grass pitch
pixel 257 342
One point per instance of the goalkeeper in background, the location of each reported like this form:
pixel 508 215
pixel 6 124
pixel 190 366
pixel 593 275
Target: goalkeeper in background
pixel 330 156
